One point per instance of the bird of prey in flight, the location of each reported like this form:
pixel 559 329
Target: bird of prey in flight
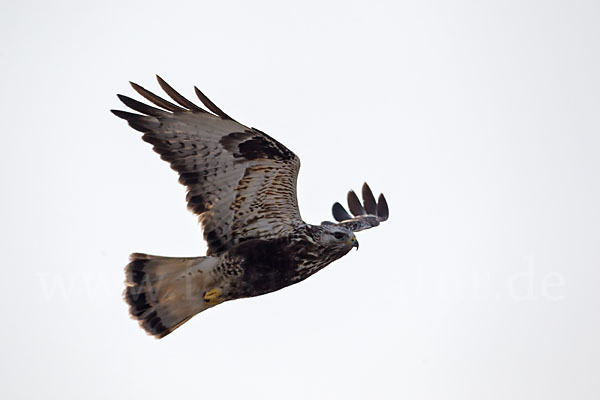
pixel 242 185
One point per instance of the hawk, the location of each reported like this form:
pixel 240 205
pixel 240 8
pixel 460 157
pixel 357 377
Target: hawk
pixel 242 185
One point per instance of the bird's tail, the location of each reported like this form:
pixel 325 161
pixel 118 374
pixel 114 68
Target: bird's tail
pixel 165 292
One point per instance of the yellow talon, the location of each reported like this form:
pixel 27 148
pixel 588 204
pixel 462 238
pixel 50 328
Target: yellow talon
pixel 213 296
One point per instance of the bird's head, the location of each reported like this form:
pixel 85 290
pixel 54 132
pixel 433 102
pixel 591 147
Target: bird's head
pixel 337 238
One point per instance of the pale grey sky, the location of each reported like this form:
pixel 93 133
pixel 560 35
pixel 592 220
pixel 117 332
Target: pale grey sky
pixel 478 120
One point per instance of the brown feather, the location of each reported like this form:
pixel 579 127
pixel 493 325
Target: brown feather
pixel 210 105
pixel 369 200
pixel 141 107
pixel 159 101
pixel 178 97
pixel 382 208
pixel 354 204
pixel 240 181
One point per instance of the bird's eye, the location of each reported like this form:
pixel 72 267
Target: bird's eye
pixel 338 235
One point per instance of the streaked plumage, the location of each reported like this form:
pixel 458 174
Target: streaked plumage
pixel 242 185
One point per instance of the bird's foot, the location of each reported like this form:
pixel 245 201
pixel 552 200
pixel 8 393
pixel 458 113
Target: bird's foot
pixel 213 296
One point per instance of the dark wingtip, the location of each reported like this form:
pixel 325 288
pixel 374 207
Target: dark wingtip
pixel 175 95
pixel 136 87
pixel 142 123
pixel 141 107
pixel 210 105
pixel 354 204
pixel 124 114
pixel 339 212
pixel 366 216
pixel 382 208
pixel 159 101
pixel 369 200
pixel 118 113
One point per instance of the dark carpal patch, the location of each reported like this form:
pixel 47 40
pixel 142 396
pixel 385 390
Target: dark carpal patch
pixel 254 144
pixel 231 140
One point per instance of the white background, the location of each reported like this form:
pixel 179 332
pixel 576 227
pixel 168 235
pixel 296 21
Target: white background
pixel 478 120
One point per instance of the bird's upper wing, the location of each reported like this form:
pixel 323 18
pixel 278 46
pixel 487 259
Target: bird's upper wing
pixel 240 181
pixel 366 215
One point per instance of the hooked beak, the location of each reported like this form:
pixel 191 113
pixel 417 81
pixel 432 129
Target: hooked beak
pixel 354 242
